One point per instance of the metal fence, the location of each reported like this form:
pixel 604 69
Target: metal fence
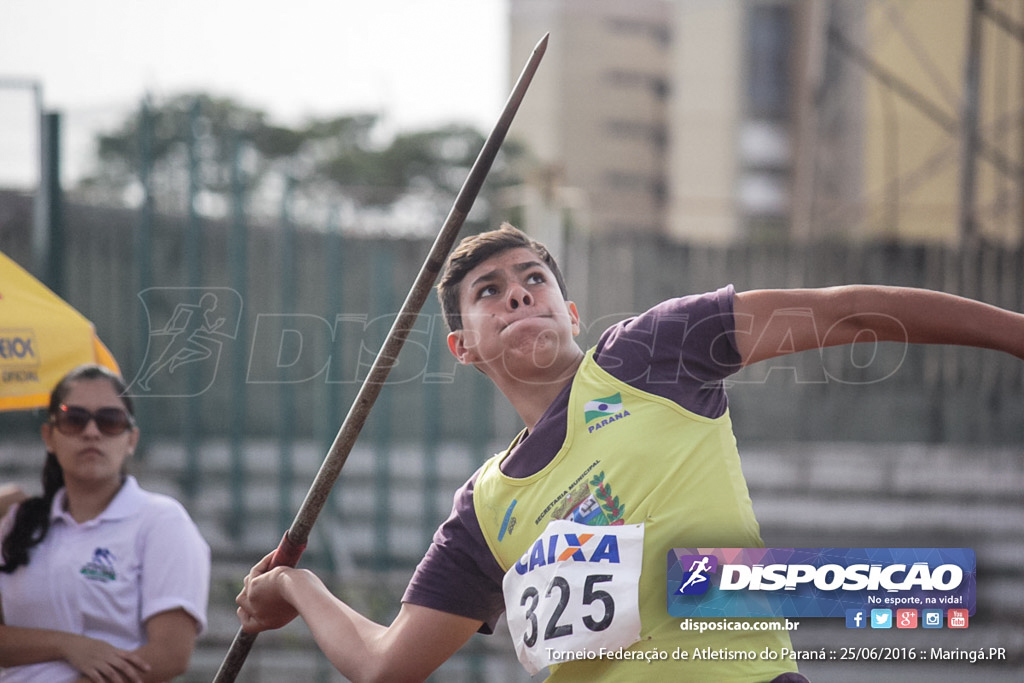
pixel 285 322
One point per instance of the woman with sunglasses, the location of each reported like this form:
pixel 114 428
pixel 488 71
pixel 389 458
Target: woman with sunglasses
pixel 100 580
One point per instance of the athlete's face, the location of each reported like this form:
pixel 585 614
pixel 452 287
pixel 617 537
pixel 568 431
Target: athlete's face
pixel 514 319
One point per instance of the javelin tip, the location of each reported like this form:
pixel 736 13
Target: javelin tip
pixel 539 49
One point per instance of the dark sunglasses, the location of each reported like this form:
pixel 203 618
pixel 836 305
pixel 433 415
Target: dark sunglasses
pixel 72 420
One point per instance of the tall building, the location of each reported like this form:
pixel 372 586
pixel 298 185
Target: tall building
pixel 719 121
pixel 597 112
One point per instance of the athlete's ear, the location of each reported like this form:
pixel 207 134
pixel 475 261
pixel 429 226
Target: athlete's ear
pixel 575 316
pixel 457 345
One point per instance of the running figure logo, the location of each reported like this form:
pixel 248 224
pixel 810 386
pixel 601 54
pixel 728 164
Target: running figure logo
pixel 696 580
pixel 199 322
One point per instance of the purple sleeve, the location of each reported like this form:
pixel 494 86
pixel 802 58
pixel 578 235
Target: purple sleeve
pixel 458 574
pixel 681 349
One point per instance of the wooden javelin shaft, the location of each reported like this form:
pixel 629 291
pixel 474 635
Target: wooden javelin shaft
pixel 294 541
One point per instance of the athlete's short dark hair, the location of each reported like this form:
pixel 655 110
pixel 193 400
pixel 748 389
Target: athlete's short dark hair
pixel 474 250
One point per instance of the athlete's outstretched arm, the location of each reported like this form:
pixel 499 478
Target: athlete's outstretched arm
pixel 774 322
pixel 418 641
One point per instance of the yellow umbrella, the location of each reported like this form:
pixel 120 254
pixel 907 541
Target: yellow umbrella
pixel 41 338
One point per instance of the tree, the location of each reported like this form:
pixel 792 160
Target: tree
pixel 328 162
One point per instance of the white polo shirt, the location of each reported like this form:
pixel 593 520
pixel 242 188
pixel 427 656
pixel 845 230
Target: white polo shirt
pixel 103 579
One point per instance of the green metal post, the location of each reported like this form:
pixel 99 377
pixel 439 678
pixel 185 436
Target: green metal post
pixel 286 391
pixel 335 283
pixel 432 417
pixel 55 273
pixel 383 269
pixel 143 246
pixel 239 259
pixel 192 437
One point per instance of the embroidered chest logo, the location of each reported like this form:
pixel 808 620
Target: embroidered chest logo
pixel 100 567
pixel 601 412
pixel 591 502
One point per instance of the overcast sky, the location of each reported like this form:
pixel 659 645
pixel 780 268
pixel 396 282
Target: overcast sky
pixel 418 62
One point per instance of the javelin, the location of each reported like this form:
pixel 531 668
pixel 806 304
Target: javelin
pixel 294 541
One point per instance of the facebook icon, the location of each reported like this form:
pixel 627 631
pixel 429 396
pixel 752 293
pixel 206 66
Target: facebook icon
pixel 856 618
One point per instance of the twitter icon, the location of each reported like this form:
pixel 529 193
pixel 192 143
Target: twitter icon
pixel 881 618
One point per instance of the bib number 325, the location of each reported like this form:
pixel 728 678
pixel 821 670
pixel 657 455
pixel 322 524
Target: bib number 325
pixel 575 592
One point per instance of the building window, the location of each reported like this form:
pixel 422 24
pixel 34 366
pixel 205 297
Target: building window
pixel 658 32
pixel 653 133
pixel 631 79
pixel 769 72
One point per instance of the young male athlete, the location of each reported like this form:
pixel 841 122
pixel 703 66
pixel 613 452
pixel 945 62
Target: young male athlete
pixel 627 452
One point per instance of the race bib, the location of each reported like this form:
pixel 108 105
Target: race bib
pixel 574 592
